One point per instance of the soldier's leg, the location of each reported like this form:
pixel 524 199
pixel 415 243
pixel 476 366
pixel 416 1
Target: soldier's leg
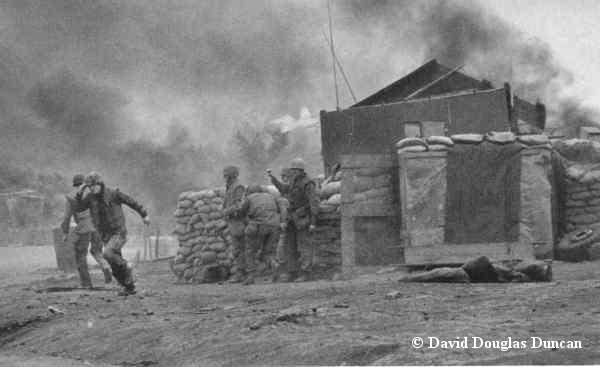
pixel 306 251
pixel 112 254
pixel 270 249
pixel 81 241
pixel 96 251
pixel 252 242
pixel 238 262
pixel 292 247
pixel 281 254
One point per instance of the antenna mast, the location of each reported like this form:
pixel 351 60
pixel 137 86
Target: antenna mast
pixel 331 47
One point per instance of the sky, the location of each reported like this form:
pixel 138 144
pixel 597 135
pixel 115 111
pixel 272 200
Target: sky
pixel 570 28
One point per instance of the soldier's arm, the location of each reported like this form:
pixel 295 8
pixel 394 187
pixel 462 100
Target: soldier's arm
pixel 132 203
pixel 67 218
pixel 313 201
pixel 283 188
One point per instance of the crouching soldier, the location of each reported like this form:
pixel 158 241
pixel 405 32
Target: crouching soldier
pixel 81 236
pixel 262 230
pixel 109 220
pixel 234 195
pixel 302 217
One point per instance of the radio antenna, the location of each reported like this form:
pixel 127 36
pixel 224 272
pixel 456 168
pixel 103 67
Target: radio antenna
pixel 331 47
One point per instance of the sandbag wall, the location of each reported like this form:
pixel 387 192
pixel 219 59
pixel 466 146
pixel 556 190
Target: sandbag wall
pixel 369 211
pixel 327 237
pixel 204 253
pixel 579 184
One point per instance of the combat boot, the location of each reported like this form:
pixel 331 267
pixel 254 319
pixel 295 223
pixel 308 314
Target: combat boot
pixel 285 278
pixel 236 278
pixel 249 280
pixel 304 277
pixel 127 291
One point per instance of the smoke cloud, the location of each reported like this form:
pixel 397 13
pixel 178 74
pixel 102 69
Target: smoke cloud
pixel 151 93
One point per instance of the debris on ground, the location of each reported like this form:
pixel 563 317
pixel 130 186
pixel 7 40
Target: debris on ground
pixel 393 295
pixel 55 310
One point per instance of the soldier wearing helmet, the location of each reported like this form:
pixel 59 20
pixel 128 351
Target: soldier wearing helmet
pixel 302 217
pixel 262 231
pixel 234 195
pixel 105 205
pixel 82 234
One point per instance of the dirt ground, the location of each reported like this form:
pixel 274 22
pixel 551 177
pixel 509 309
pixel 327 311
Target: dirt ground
pixel 343 322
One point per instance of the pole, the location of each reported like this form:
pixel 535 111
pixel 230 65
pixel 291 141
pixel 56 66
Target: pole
pixel 331 48
pixel 339 64
pixel 156 242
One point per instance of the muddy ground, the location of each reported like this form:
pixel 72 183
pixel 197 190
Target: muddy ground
pixel 343 322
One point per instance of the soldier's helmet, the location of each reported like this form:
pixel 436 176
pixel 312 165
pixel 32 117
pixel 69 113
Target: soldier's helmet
pixel 297 163
pixel 93 178
pixel 252 189
pixel 78 180
pixel 231 171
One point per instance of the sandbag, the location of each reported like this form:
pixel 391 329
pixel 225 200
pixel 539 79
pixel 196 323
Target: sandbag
pixel 413 149
pixel 326 208
pixel 467 138
pixel 331 188
pixel 438 147
pixel 411 142
pixel 184 204
pixel 590 177
pixel 335 199
pixel 439 140
pixel 504 137
pixel 534 139
pixel 575 172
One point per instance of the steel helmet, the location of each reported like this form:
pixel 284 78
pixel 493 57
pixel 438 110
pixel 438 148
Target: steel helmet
pixel 231 171
pixel 78 179
pixel 297 163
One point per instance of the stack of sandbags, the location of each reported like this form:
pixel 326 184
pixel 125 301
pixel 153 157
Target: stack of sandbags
pixel 204 254
pixel 330 195
pixel 373 186
pixel 327 237
pixel 582 206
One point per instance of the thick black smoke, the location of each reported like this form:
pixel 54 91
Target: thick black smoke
pixel 152 92
pixel 87 114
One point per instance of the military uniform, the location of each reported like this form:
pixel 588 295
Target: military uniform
pixel 109 220
pixel 234 195
pixel 282 252
pixel 79 237
pixel 303 209
pixel 262 230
